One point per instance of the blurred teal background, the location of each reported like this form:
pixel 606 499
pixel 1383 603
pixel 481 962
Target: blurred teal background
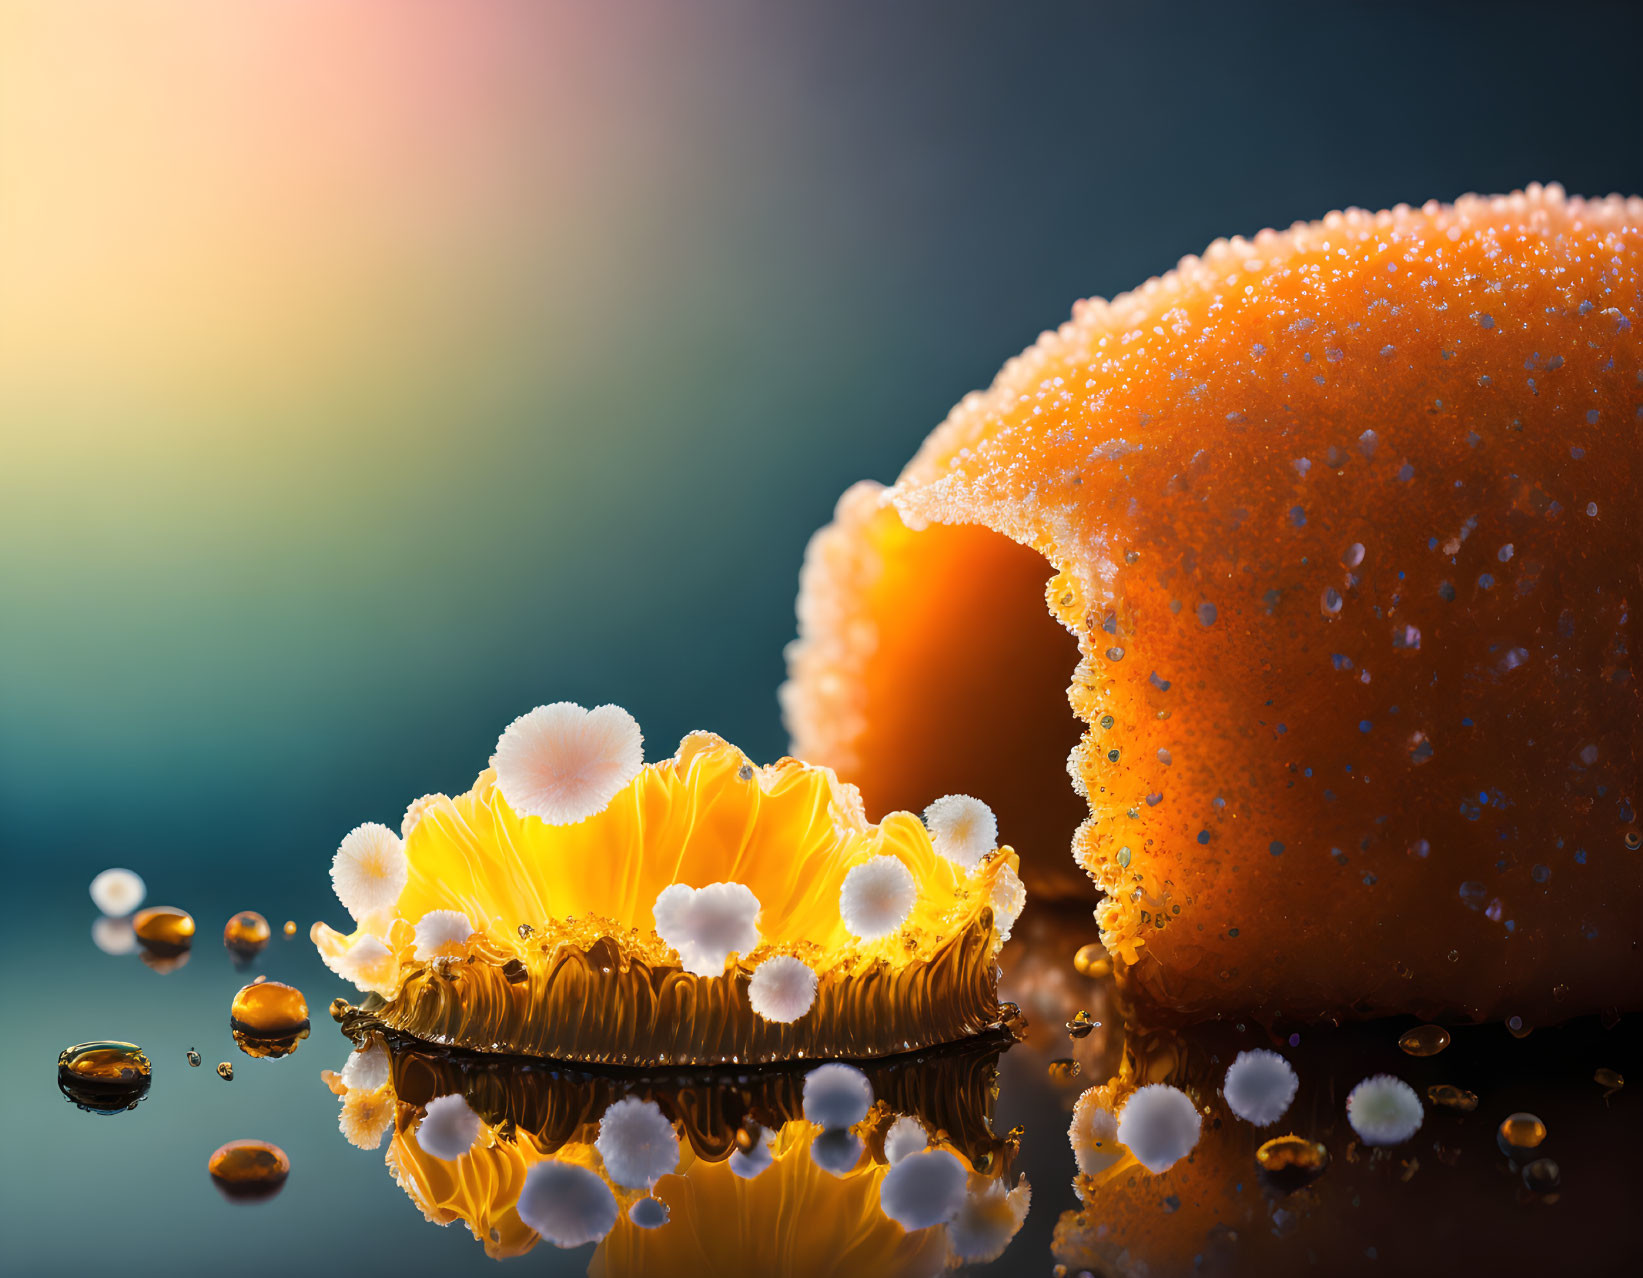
pixel 372 372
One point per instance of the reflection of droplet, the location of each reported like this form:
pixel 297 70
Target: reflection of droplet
pixel 1092 961
pixel 164 963
pixel 103 1077
pixel 1081 1024
pixel 1063 1070
pixel 225 1071
pixel 164 929
pixel 1452 1097
pixel 268 1018
pixel 193 1059
pixel 1519 1133
pixel 1424 1040
pixel 1289 1162
pixel 246 934
pixel 1542 1176
pixel 249 1170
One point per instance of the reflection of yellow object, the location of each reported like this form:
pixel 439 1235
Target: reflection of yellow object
pixel 793 1217
pixel 564 959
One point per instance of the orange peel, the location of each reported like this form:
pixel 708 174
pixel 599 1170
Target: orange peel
pixel 709 911
pixel 1339 525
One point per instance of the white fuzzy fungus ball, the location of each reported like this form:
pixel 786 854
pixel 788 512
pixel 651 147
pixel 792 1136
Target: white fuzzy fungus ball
pixel 442 934
pixel 414 812
pixel 449 1128
pixel 923 1189
pixel 782 989
pixel 906 1136
pixel 987 1222
pixel 565 764
pixel 637 1142
pixel 369 869
pixel 746 1164
pixel 707 925
pixel 1008 899
pixel 1094 1133
pixel 877 897
pixel 648 1213
pixel 118 892
pixel 836 1095
pixel 1260 1086
pixel 1159 1124
pixel 367 1069
pixel 836 1151
pixel 1384 1110
pixel 566 1203
pixel 963 829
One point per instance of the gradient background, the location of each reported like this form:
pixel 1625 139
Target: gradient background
pixel 373 370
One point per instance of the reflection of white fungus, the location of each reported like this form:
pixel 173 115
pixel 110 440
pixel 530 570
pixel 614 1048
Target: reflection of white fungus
pixel 877 897
pixel 906 1136
pixel 112 936
pixel 1159 1125
pixel 118 892
pixel 748 1164
pixel 1094 1133
pixel 414 812
pixel 707 925
pixel 836 1095
pixel 1259 1087
pixel 1384 1110
pixel 442 934
pixel 1009 898
pixel 836 1151
pixel 366 1069
pixel 449 1128
pixel 566 1203
pixel 782 989
pixel 369 869
pixel 987 1222
pixel 564 764
pixel 963 829
pixel 637 1143
pixel 923 1189
pixel 648 1213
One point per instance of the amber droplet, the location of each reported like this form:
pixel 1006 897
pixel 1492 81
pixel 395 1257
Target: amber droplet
pixel 1542 1176
pixel 340 1007
pixel 1063 1070
pixel 1609 1080
pixel 249 1170
pixel 225 1071
pixel 1092 961
pixel 246 934
pixel 1288 1163
pixel 526 931
pixel 193 1059
pixel 1452 1097
pixel 747 1136
pixel 268 1018
pixel 1081 1024
pixel 1424 1040
pixel 103 1077
pixel 1519 1133
pixel 290 928
pixel 515 972
pixel 164 929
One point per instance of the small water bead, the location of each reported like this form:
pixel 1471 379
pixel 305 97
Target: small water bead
pixel 1081 1024
pixel 1634 840
pixel 1092 961
pixel 1353 555
pixel 1288 1163
pixel 1519 1133
pixel 249 1170
pixel 1115 654
pixel 104 1076
pixel 246 934
pixel 290 928
pixel 1517 1028
pixel 164 929
pixel 225 1071
pixel 193 1059
pixel 1452 1097
pixel 1542 1176
pixel 1424 1040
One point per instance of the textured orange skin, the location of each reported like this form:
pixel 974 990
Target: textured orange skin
pixel 1151 449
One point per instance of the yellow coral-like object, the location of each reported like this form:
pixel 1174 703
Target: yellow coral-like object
pixel 513 934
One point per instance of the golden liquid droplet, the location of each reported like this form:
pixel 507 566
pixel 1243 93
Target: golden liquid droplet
pixel 268 1018
pixel 1092 961
pixel 1081 1024
pixel 1063 1070
pixel 340 1007
pixel 1542 1176
pixel 246 934
pixel 103 1076
pixel 225 1071
pixel 1424 1040
pixel 1519 1133
pixel 290 928
pixel 1610 1080
pixel 193 1059
pixel 164 929
pixel 1452 1097
pixel 1289 1162
pixel 747 1136
pixel 249 1169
